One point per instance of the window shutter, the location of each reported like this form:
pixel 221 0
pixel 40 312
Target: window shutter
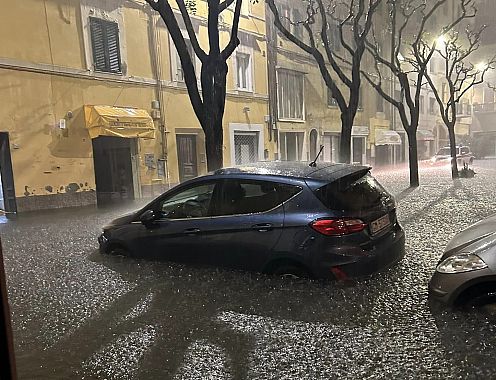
pixel 98 44
pixel 114 54
pixel 105 45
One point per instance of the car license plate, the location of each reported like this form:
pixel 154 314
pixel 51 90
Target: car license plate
pixel 379 224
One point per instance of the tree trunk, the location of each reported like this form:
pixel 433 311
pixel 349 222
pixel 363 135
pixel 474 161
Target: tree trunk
pixel 345 143
pixel 413 157
pixel 213 78
pixel 214 141
pixel 454 163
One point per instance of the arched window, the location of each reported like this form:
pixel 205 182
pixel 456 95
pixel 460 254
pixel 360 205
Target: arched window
pixel 313 144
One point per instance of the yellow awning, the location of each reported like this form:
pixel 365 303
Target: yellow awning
pixel 118 122
pixel 387 137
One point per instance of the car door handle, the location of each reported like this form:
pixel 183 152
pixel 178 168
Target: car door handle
pixel 262 227
pixel 191 231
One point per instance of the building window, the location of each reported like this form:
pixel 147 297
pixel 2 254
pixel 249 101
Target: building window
pixel 444 92
pixel 179 67
pixel 105 45
pixel 380 103
pixel 459 109
pixel 245 8
pixel 432 106
pixel 290 95
pixel 284 15
pixel 292 146
pixel 421 104
pixel 244 72
pixel 334 36
pixel 297 24
pixel 331 148
pixel 331 102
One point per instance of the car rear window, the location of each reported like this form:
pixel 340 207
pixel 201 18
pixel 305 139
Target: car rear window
pixel 351 194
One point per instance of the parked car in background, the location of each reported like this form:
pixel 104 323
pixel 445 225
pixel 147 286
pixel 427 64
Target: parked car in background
pixel 463 156
pixel 466 273
pixel 285 218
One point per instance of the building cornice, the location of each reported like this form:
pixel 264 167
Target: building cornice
pixel 49 69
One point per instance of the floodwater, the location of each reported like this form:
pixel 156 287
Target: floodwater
pixel 80 315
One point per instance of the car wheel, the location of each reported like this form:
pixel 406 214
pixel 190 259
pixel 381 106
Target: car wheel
pixel 477 296
pixel 291 272
pixel 118 251
pixel 482 300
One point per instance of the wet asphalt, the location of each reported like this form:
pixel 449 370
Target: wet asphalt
pixel 80 315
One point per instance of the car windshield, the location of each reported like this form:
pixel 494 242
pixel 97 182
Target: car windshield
pixel 247 189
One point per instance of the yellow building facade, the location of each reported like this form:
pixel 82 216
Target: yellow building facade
pixel 94 106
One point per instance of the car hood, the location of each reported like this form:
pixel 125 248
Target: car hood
pixel 476 238
pixel 124 219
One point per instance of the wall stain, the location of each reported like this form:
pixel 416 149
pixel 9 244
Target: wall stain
pixel 72 187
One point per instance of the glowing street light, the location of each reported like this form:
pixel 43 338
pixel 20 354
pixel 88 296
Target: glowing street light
pixel 441 40
pixel 481 66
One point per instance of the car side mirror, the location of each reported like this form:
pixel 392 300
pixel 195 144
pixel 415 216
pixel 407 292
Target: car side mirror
pixel 147 217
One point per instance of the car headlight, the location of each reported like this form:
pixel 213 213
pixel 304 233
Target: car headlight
pixel 464 262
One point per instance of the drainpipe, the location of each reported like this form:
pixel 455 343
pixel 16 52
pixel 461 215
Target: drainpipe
pixel 272 37
pixel 156 53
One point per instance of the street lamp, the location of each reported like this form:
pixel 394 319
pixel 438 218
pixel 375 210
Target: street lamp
pixel 481 66
pixel 441 40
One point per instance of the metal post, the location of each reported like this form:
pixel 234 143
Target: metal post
pixel 7 369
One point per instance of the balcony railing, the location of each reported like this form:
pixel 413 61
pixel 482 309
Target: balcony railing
pixel 485 107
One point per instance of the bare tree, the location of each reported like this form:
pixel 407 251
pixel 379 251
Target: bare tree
pixel 208 104
pixel 406 60
pixel 353 20
pixel 459 76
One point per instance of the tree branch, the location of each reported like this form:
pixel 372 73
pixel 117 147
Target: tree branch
pixel 191 32
pixel 234 40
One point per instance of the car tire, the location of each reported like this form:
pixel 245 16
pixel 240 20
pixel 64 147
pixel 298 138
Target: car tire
pixel 481 300
pixel 118 251
pixel 477 296
pixel 292 272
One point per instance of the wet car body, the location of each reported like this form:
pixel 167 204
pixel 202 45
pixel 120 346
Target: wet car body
pixel 463 156
pixel 470 259
pixel 297 231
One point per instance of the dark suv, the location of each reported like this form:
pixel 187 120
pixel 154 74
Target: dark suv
pixel 333 220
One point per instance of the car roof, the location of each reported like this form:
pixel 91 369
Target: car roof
pixel 322 171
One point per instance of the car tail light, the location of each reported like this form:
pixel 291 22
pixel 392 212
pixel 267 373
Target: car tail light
pixel 338 227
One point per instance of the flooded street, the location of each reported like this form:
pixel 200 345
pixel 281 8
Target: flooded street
pixel 80 315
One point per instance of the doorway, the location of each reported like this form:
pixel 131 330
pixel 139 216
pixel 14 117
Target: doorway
pixel 115 174
pixel 292 146
pixel 186 155
pixel 383 154
pixel 358 150
pixel 245 147
pixel 331 148
pixel 7 189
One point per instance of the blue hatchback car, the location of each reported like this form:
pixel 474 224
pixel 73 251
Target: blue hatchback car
pixel 285 218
